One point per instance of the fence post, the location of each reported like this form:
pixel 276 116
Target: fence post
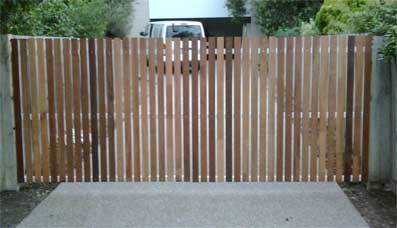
pixel 394 126
pixel 380 157
pixel 8 163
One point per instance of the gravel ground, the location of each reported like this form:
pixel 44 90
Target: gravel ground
pixel 378 207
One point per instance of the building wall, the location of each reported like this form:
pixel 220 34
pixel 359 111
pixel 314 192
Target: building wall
pixel 140 17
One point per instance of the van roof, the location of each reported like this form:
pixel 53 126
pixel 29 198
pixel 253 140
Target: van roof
pixel 177 22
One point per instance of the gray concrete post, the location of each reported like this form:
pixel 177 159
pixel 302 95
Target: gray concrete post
pixel 8 162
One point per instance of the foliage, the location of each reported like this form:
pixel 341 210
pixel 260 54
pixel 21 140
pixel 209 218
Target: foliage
pixel 334 15
pixel 309 28
pixel 274 16
pixel 79 18
pixel 379 19
pixel 237 9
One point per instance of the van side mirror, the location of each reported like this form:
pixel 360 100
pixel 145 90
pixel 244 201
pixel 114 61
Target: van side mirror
pixel 143 33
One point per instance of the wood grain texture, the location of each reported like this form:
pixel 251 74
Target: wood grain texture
pixel 102 108
pixel 17 109
pixel 127 107
pixel 169 134
pixel 245 105
pixel 110 109
pixel 43 111
pixel 288 108
pixel 144 109
pixel 186 119
pixel 35 109
pixel 135 109
pixel 195 107
pixel 323 107
pixel 280 107
pixel 254 108
pixel 220 141
pixel 341 108
pixel 26 110
pixel 153 118
pixel 237 109
pixel 358 96
pixel 211 108
pixel 68 109
pixel 314 109
pixel 229 108
pixel 331 110
pixel 263 107
pixel 203 106
pixel 271 126
pixel 76 109
pixel 306 107
pixel 178 109
pixel 160 92
pixel 349 109
pixel 297 107
pixel 119 108
pixel 94 111
pixel 51 109
pixel 367 107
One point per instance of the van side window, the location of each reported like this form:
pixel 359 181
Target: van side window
pixel 157 30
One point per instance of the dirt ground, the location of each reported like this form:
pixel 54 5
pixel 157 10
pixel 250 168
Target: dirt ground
pixel 378 207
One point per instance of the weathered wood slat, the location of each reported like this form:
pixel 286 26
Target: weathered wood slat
pixel 93 104
pixel 203 105
pixel 102 108
pixel 160 92
pixel 211 108
pixel 186 108
pixel 271 128
pixel 331 110
pixel 35 109
pixel 263 108
pixel 314 109
pixel 76 109
pixel 349 109
pixel 323 107
pixel 341 108
pixel 17 109
pixel 170 149
pixel 254 108
pixel 245 105
pixel 229 108
pixel 220 141
pixel 288 109
pixel 367 108
pixel 306 107
pixel 358 96
pixel 119 108
pixel 110 109
pixel 195 107
pixel 43 109
pixel 153 127
pixel 237 109
pixel 178 114
pixel 280 107
pixel 127 107
pixel 26 110
pixel 144 109
pixel 51 109
pixel 297 107
pixel 135 110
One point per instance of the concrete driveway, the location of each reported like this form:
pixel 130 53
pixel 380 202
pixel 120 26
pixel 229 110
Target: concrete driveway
pixel 195 205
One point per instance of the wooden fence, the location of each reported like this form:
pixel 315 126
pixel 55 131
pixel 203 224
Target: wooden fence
pixel 256 109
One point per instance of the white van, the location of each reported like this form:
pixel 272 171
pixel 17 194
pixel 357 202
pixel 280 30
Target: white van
pixel 176 29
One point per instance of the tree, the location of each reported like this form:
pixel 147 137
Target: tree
pixel 237 9
pixel 78 18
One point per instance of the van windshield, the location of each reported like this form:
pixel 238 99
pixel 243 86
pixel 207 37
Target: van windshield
pixel 190 31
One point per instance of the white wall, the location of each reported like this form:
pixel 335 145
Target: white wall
pixel 140 17
pixel 187 8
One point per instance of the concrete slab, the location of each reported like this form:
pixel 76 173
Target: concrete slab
pixel 195 205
